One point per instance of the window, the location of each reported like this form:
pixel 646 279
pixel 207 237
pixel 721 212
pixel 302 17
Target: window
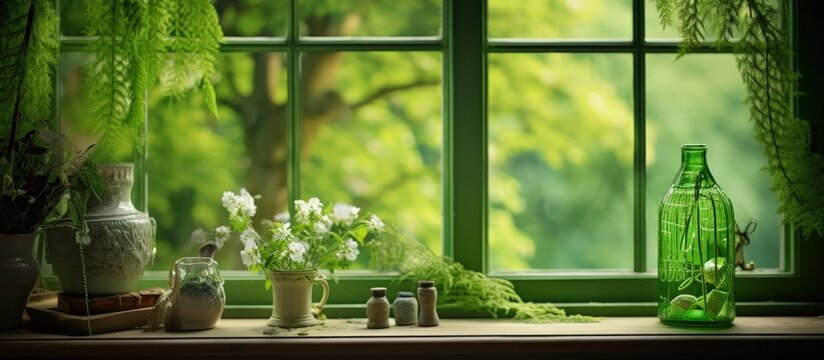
pixel 574 94
pixel 538 154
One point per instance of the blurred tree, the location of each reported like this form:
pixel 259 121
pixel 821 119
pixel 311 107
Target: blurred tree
pixel 371 135
pixel 263 116
pixel 560 132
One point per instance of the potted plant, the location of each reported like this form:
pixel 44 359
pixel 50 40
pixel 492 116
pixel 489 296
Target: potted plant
pixel 290 253
pixel 116 247
pixel 42 177
pixel 137 45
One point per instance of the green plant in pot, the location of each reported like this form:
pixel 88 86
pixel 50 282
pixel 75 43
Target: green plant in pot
pixel 137 45
pixel 117 246
pixel 43 178
pixel 291 251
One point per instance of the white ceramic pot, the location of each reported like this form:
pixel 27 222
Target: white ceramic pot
pixel 122 240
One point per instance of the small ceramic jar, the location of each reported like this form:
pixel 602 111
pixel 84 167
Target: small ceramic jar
pixel 428 296
pixel 406 309
pixel 377 309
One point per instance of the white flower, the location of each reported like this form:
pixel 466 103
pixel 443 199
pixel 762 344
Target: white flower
pixel 315 204
pixel 249 237
pixel 349 250
pixel 282 217
pixel 345 214
pixel 282 232
pixel 221 235
pixel 199 236
pixel 296 250
pixel 305 210
pixel 323 226
pixel 228 200
pixel 243 203
pixel 247 203
pixel 250 256
pixel 82 237
pixel 375 224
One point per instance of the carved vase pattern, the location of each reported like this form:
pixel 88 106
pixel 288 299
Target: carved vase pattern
pixel 122 240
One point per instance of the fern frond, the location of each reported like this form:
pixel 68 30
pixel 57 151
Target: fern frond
pixel 157 37
pixel 460 289
pixel 664 8
pixel 692 24
pixel 12 30
pixel 763 59
pixel 138 20
pixel 196 37
pixel 28 54
pixel 108 73
pixel 132 47
pixel 725 19
pixel 41 58
pixel 86 184
pixel 764 62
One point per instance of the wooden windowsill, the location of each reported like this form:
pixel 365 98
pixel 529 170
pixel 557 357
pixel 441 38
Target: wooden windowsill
pixel 340 337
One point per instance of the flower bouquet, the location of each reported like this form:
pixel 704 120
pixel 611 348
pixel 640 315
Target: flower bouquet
pixel 291 252
pixel 320 237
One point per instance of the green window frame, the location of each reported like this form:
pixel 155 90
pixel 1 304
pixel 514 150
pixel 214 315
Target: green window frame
pixel 464 46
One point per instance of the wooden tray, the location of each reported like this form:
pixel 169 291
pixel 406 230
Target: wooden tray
pixel 52 319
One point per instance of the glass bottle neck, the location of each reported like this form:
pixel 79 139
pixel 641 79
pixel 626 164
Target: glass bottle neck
pixel 694 166
pixel 694 158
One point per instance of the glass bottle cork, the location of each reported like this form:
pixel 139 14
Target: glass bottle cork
pixel 377 309
pixel 428 296
pixel 406 309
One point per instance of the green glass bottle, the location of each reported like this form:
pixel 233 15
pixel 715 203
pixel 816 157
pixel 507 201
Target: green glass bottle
pixel 696 247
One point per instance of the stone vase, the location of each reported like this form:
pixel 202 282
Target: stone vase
pixel 292 298
pixel 122 240
pixel 18 271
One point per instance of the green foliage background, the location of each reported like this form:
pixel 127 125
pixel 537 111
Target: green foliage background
pixel 560 135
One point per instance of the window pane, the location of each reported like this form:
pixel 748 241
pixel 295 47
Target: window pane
pixel 76 120
pixel 372 136
pixel 549 19
pixel 195 157
pixel 560 161
pixel 370 17
pixel 253 17
pixel 700 99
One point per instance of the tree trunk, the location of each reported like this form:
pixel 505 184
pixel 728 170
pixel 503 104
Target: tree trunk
pixel 265 121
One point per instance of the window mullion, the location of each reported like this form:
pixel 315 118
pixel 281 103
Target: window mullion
pixel 293 132
pixel 639 117
pixel 466 153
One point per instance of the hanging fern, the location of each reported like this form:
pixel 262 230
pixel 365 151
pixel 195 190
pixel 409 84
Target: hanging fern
pixel 196 35
pixel 110 81
pixel 460 289
pixel 139 44
pixel 28 47
pixel 763 57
